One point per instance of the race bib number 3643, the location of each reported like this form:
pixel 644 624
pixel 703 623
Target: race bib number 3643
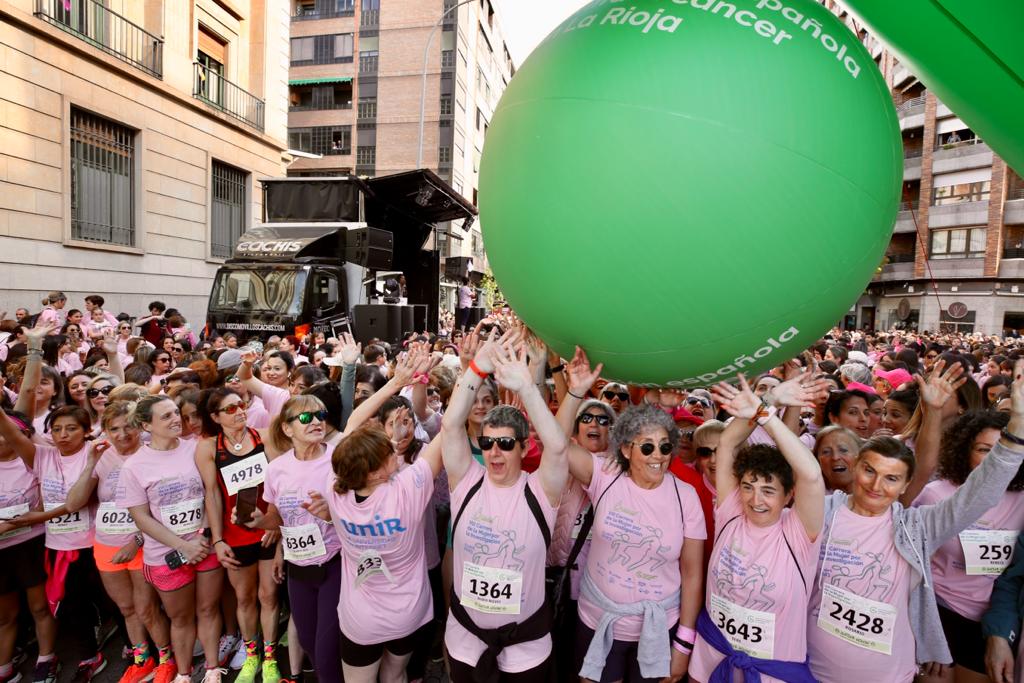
pixel 491 590
pixel 747 630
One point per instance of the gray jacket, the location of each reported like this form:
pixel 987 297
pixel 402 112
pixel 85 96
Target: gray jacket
pixel 921 530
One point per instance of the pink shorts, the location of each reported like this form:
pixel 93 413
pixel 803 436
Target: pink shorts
pixel 165 579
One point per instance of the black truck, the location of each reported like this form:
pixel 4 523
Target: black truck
pixel 326 245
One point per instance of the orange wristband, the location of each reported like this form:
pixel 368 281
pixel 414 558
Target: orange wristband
pixel 479 373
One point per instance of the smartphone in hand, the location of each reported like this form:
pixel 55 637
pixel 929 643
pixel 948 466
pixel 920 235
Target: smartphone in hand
pixel 175 559
pixel 245 503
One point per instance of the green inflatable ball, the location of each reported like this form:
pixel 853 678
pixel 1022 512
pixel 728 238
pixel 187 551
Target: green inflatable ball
pixel 690 188
pixel 969 52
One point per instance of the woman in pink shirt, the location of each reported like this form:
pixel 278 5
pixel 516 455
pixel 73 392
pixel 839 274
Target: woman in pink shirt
pixel 966 566
pixel 764 551
pixel 272 387
pixel 52 313
pixel 164 493
pixel 501 523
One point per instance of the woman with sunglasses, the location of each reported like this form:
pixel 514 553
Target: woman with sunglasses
pixel 765 551
pixel 162 489
pixel 616 395
pixel 161 363
pixel 97 395
pixel 502 523
pixel 117 549
pixel 641 584
pixel 700 404
pixel 233 462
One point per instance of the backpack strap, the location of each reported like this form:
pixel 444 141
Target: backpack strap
pixel 538 514
pixel 465 501
pixel 788 547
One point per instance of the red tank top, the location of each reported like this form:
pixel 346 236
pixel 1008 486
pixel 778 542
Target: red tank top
pixel 235 535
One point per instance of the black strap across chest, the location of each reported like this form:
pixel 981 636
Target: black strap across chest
pixel 531 501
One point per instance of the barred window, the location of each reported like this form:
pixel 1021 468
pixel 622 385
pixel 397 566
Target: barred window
pixel 444 155
pixel 446 105
pixel 367 108
pixel 102 180
pixel 366 156
pixel 227 220
pixel 326 140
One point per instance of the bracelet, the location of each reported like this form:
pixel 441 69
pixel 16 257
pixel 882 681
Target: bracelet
pixel 421 378
pixel 219 540
pixel 477 371
pixel 557 368
pixel 762 411
pixel 1012 438
pixel 138 539
pixel 574 395
pixel 767 415
pixel 34 352
pixel 686 635
pixel 681 647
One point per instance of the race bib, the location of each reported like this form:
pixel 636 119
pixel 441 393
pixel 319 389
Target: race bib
pixel 747 630
pixel 491 590
pixel 114 521
pixel 68 523
pixel 184 517
pixel 987 552
pixel 370 563
pixel 11 512
pixel 304 542
pixel 859 621
pixel 577 525
pixel 245 474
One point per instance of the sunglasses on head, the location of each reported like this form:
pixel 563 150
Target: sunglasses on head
pixel 602 420
pixel 705 452
pixel 648 447
pixel 621 395
pixel 697 399
pixel 505 443
pixel 307 416
pixel 93 393
pixel 233 408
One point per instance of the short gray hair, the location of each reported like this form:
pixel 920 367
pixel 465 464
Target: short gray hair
pixel 636 419
pixel 594 403
pixel 856 372
pixel 507 416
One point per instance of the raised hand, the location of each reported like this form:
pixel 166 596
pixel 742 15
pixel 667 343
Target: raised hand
pixel 799 390
pixel 248 355
pixel 737 401
pixel 109 342
pixel 510 367
pixel 401 427
pixel 97 449
pixel 413 363
pixel 348 350
pixel 580 376
pixel 38 333
pixel 940 386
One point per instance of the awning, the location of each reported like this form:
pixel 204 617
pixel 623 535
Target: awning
pixel 319 81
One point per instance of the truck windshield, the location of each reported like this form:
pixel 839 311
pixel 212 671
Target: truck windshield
pixel 278 290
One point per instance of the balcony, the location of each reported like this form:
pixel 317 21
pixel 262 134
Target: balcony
pixel 959 156
pixel 107 31
pixel 912 164
pixel 905 218
pixel 963 212
pixel 1013 252
pixel 1013 209
pixel 223 95
pixel 312 14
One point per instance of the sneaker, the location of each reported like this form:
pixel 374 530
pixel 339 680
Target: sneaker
pixel 46 672
pixel 239 656
pixel 182 678
pixel 166 672
pixel 226 650
pixel 138 673
pixel 271 674
pixel 88 669
pixel 214 675
pixel 250 668
pixel 13 678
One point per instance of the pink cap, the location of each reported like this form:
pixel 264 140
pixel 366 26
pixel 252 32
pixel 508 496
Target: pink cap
pixel 860 387
pixel 895 378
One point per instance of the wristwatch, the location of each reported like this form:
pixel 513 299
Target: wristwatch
pixel 138 539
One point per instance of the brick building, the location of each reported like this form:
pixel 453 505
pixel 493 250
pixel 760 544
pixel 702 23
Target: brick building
pixel 132 133
pixel 355 83
pixel 956 257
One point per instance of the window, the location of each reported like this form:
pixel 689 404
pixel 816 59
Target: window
pixel 311 97
pixel 227 219
pixel 964 192
pixel 330 49
pixel 326 140
pixel 479 119
pixel 325 290
pixel 367 108
pixel 102 180
pixel 446 105
pixel 444 155
pixel 368 62
pixel 211 56
pixel 958 243
pixel 447 59
pixel 366 156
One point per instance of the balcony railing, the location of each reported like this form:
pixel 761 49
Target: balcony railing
pixel 959 143
pixel 368 63
pixel 907 105
pixel 899 258
pixel 369 17
pixel 313 14
pixel 1015 194
pixel 107 31
pixel 320 107
pixel 1013 252
pixel 912 153
pixel 907 206
pixel 220 93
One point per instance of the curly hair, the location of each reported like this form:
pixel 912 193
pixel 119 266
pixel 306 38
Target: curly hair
pixel 764 462
pixel 955 451
pixel 634 420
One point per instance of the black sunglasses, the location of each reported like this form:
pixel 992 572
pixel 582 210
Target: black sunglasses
pixel 697 399
pixel 602 420
pixel 705 452
pixel 179 349
pixel 648 448
pixel 622 395
pixel 93 393
pixel 307 416
pixel 431 391
pixel 505 443
pixel 162 359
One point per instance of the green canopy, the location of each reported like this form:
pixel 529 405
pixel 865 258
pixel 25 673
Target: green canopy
pixel 318 81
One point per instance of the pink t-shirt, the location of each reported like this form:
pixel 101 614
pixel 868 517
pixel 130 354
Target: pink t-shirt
pixel 860 557
pixel 636 543
pixel 287 486
pixel 499 544
pixel 384 567
pixel 169 483
pixel 274 399
pixel 968 594
pixel 256 415
pixel 56 475
pixel 19 493
pixel 114 524
pixel 752 568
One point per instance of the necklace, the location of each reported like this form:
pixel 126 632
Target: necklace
pixel 236 446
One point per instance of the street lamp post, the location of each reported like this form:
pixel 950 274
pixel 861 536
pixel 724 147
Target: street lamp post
pixel 423 90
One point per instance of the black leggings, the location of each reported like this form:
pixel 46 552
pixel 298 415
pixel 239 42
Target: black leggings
pixel 463 673
pixel 83 606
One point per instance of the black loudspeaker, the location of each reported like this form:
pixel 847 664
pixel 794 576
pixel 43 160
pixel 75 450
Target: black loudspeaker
pixel 457 267
pixel 369 247
pixel 476 314
pixel 419 317
pixel 386 322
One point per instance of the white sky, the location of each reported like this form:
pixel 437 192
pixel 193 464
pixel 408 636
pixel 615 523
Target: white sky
pixel 527 22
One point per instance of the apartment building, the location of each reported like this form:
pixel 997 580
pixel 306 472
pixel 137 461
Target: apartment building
pixel 357 99
pixel 956 258
pixel 132 136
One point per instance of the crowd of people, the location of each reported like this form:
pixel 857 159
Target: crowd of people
pixel 471 497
